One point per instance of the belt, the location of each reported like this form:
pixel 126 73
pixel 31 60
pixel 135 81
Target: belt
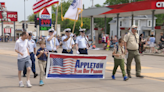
pixel 53 51
pixel 30 52
pixel 82 48
pixel 68 50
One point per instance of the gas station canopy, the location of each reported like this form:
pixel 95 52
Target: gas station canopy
pixel 127 9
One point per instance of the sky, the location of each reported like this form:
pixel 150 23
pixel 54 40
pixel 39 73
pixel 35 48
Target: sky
pixel 18 5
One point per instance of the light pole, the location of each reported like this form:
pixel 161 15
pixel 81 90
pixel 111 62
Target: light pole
pixel 24 16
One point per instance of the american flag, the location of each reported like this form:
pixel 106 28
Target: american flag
pixel 62 66
pixel 41 4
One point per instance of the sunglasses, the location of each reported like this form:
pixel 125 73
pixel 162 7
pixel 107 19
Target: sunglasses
pixel 82 31
pixel 67 31
pixel 51 31
pixel 134 28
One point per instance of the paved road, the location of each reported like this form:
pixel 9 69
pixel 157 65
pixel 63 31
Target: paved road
pixel 152 68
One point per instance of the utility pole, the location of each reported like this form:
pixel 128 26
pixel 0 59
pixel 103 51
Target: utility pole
pixel 92 3
pixel 24 16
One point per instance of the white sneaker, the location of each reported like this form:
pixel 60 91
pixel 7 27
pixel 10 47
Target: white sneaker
pixel 21 84
pixel 29 84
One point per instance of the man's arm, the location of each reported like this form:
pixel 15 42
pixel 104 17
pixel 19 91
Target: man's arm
pixel 35 51
pixel 77 47
pixel 18 52
pixel 38 56
pixel 50 38
pixel 66 39
pixel 28 51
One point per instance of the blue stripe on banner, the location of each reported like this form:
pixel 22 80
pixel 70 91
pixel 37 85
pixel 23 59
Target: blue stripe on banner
pixel 74 76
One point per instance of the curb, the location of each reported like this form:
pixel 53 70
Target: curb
pixel 154 55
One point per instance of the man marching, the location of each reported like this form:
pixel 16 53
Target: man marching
pixel 52 43
pixel 82 43
pixel 68 42
pixel 32 51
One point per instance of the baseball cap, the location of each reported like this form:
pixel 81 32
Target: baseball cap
pixel 82 29
pixel 67 30
pixel 134 26
pixel 51 30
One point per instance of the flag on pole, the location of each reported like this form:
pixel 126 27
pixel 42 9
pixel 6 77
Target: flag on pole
pixel 75 8
pixel 41 4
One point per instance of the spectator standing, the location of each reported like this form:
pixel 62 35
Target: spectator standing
pixel 104 40
pixel 152 45
pixel 111 39
pixel 115 40
pixel 162 37
pixel 141 44
pixel 21 47
pixel 131 45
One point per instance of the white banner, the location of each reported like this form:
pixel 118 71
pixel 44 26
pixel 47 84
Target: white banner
pixel 75 66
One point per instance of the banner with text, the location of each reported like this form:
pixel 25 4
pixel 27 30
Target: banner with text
pixel 75 66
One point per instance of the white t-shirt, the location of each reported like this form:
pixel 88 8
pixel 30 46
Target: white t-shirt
pixel 22 47
pixel 82 42
pixel 67 44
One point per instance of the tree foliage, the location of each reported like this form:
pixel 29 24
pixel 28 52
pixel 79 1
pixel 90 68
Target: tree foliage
pixel 31 17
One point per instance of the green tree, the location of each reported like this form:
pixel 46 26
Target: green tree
pixel 31 17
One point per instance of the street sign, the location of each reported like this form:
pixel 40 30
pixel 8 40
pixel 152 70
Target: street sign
pixel 45 22
pixel 44 28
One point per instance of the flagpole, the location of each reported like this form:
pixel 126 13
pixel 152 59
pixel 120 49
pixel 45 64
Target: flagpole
pixel 56 19
pixel 75 22
pixel 74 26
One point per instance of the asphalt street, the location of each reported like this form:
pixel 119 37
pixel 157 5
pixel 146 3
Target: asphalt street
pixel 152 69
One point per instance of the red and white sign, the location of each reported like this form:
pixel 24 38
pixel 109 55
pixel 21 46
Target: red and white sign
pixel 7 30
pixel 8 16
pixel 2 5
pixel 160 4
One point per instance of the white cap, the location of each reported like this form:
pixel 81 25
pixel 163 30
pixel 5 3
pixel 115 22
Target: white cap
pixel 51 30
pixel 68 29
pixel 82 29
pixel 134 26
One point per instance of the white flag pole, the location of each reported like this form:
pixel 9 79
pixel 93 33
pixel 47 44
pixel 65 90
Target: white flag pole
pixel 74 26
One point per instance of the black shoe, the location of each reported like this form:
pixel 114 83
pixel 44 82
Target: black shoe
pixel 129 76
pixel 139 76
pixel 35 75
pixel 24 75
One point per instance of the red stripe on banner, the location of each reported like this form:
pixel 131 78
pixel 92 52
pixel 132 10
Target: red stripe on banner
pixel 84 57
